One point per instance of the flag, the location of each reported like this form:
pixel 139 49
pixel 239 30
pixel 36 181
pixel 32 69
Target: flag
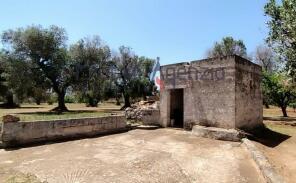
pixel 155 74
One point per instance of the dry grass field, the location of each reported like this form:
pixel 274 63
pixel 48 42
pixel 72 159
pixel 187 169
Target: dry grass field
pixel 276 112
pixel 32 112
pixel 281 149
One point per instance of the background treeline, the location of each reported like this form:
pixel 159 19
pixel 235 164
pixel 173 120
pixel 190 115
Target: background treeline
pixel 278 86
pixel 37 65
pixel 277 56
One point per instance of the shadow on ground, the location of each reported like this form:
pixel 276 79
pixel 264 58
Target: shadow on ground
pixel 71 112
pixel 280 118
pixel 57 112
pixel 3 106
pixel 269 137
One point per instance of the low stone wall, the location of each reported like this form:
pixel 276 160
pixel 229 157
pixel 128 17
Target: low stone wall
pixel 19 133
pixel 151 117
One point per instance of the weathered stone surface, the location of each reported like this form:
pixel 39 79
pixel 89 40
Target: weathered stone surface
pixel 269 173
pixel 145 111
pixel 14 134
pixel 10 118
pixel 217 133
pixel 151 117
pixel 219 92
pixel 138 156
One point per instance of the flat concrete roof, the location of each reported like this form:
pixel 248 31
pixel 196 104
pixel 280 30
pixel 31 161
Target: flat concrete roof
pixel 210 59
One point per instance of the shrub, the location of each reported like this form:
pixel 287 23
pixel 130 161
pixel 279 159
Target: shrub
pixel 52 99
pixel 70 99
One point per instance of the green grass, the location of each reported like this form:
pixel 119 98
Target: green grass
pixel 283 129
pixel 29 112
pixel 274 111
pixel 52 116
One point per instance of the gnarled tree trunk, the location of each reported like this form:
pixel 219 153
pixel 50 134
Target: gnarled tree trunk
pixel 61 102
pixel 9 101
pixel 284 110
pixel 126 98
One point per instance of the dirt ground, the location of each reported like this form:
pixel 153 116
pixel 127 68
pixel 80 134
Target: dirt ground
pixel 279 145
pixel 280 148
pixel 162 155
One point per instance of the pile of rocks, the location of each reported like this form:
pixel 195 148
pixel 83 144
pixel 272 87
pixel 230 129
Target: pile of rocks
pixel 10 118
pixel 140 109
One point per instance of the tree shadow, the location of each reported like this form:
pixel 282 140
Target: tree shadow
pixel 288 119
pixel 30 107
pixel 60 113
pixel 3 106
pixel 6 106
pixel 268 137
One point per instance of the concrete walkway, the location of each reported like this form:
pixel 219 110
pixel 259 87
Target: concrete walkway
pixel 162 155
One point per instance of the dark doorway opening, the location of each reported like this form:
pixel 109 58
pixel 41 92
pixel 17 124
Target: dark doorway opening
pixel 177 108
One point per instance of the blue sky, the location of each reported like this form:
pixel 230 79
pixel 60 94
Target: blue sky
pixel 174 30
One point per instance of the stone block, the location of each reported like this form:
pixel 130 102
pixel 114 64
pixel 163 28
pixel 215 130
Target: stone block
pixel 217 133
pixel 21 133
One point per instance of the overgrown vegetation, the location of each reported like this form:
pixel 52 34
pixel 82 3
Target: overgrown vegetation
pixel 279 89
pixel 279 83
pixel 37 63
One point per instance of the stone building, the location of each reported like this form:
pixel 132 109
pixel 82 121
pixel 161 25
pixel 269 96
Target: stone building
pixel 220 92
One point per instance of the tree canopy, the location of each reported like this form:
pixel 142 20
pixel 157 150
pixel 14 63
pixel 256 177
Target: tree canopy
pixel 37 61
pixel 266 57
pixel 280 90
pixel 282 31
pixel 130 73
pixel 92 62
pixel 228 46
pixel 46 49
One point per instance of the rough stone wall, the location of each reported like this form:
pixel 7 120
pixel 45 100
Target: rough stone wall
pixel 164 108
pixel 211 92
pixel 212 96
pixel 150 117
pixel 248 98
pixel 18 133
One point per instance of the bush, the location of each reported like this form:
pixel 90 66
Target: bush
pixel 52 99
pixel 70 99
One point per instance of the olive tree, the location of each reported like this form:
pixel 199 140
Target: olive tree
pixel 46 49
pixel 228 46
pixel 279 89
pixel 282 31
pixel 91 68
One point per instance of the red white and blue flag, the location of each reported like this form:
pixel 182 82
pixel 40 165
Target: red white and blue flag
pixel 155 75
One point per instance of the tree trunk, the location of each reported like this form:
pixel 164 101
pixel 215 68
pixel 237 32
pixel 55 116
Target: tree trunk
pixel 38 101
pixel 126 101
pixel 61 102
pixel 92 102
pixel 117 100
pixel 284 110
pixel 9 101
pixel 266 105
pixel 144 97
